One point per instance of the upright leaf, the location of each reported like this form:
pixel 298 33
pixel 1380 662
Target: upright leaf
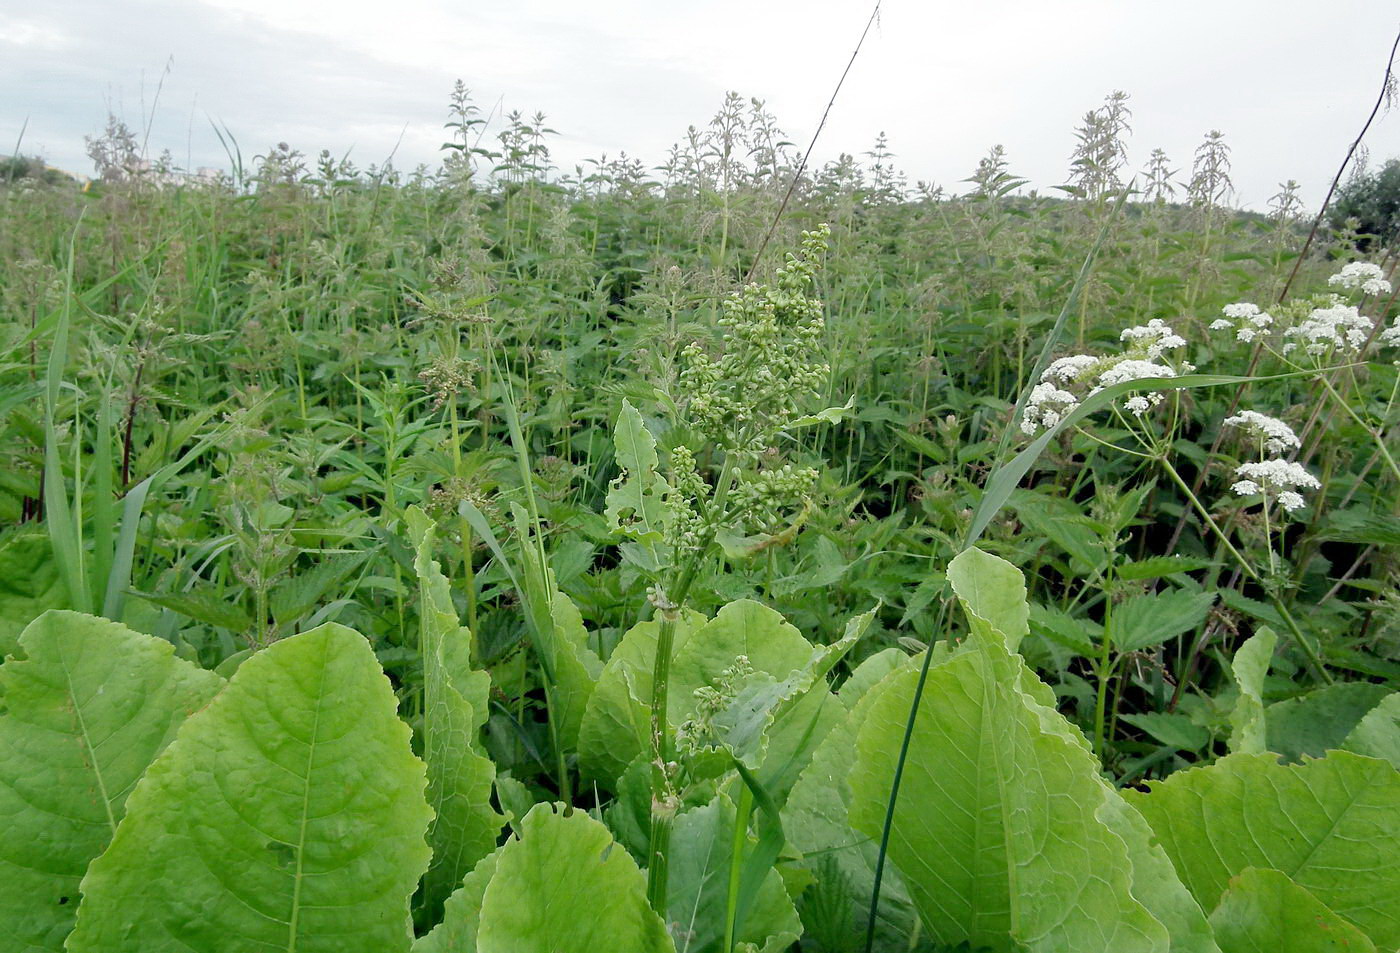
pixel 697 887
pixel 999 828
pixel 1332 825
pixel 287 815
pixel 464 825
pixel 1250 666
pixel 566 885
pixel 616 725
pixel 461 913
pixel 816 819
pixel 992 593
pixel 86 710
pixel 637 499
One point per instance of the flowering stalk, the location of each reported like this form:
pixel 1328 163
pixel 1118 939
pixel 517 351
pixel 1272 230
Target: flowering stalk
pixel 1247 569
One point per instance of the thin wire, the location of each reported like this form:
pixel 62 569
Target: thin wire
pixel 802 166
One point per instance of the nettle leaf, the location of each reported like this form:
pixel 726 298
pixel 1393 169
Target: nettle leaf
pixel 201 605
pixel 1332 825
pixel 1003 827
pixel 1265 912
pixel 1147 620
pixel 1378 734
pixel 1250 665
pixel 701 848
pixel 30 584
pixel 1155 567
pixel 460 775
pixel 1319 721
pixel 636 505
pixel 1077 634
pixel 993 595
pixel 288 814
pixel 86 709
pixel 564 884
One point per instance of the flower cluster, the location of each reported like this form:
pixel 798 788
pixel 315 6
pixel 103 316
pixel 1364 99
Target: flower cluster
pixel 1274 435
pixel 1046 407
pixel 768 368
pixel 1340 327
pixel 1325 325
pixel 1361 274
pixel 1281 476
pixel 1252 321
pixel 1153 338
pixel 1052 399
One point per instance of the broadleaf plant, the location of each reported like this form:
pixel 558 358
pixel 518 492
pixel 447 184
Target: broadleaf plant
pixel 87 707
pixel 289 814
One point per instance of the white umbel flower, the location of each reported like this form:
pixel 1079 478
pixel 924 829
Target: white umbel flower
pixel 1067 370
pixel 1390 337
pixel 1361 274
pixel 1154 338
pixel 1133 370
pixel 1290 501
pixel 1277 475
pixel 1341 327
pixel 1276 435
pixel 1046 407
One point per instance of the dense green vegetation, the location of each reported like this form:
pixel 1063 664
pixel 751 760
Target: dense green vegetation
pixel 516 560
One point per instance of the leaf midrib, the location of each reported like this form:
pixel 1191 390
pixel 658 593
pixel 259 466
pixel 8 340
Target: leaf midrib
pixel 306 802
pixel 87 744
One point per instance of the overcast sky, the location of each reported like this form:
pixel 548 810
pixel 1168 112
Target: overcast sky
pixel 1288 81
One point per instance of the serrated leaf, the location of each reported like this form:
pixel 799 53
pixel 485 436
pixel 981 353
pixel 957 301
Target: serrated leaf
pixel 460 775
pixel 1155 567
pixel 202 606
pixel 566 885
pixel 1249 667
pixel 288 814
pixel 636 505
pixel 1265 912
pixel 293 599
pixel 1148 620
pixel 1076 634
pixel 1000 827
pixel 86 710
pixel 1332 825
pixel 1315 723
